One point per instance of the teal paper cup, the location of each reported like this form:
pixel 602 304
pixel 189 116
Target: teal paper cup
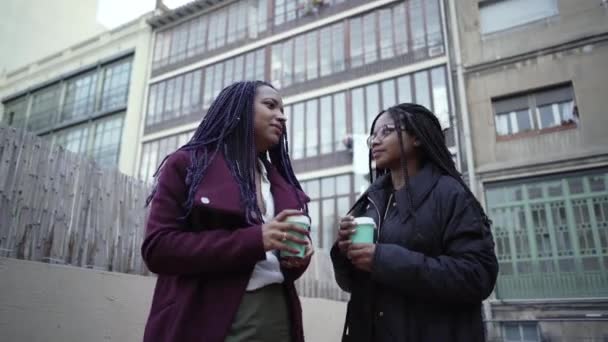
pixel 364 230
pixel 303 222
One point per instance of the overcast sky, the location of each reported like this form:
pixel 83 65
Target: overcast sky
pixel 113 13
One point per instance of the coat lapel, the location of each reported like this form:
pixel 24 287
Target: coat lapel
pixel 219 190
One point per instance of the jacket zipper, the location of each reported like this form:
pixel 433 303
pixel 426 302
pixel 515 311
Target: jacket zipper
pixel 381 218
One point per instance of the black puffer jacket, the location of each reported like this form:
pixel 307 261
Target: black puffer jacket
pixel 431 270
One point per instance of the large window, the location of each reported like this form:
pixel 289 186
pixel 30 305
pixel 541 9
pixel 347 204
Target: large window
pixel 331 198
pixel 99 139
pixel 83 113
pixel 225 26
pixel 551 235
pixel 154 152
pixel 318 126
pixel 536 111
pixel 307 57
pixel 15 112
pixel 505 14
pixel 80 97
pixel 286 11
pixel 190 93
pixel 380 35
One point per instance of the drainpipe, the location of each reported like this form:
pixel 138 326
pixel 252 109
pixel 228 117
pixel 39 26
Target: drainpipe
pixel 462 94
pixel 466 128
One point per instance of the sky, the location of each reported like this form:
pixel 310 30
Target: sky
pixel 113 13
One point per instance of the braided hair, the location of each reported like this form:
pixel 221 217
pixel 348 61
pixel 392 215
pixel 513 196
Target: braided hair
pixel 228 128
pixel 420 122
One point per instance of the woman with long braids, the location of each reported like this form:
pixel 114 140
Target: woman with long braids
pixel 433 262
pixel 218 223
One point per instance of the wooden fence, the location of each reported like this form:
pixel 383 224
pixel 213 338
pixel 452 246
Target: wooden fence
pixel 60 207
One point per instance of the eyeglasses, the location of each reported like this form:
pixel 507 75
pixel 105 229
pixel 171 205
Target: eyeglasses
pixel 381 133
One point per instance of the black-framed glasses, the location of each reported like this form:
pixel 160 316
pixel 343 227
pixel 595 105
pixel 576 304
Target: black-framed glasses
pixel 381 133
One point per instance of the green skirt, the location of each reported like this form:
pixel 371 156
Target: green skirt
pixel 263 316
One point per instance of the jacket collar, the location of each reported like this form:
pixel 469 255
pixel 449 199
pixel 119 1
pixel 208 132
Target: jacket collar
pixel 420 186
pixel 219 191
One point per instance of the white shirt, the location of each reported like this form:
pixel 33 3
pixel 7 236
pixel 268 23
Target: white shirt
pixel 267 271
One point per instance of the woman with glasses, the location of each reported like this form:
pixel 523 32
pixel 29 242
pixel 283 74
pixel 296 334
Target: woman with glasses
pixel 433 261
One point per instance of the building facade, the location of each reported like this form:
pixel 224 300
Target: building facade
pixel 337 63
pixel 535 74
pixel 87 97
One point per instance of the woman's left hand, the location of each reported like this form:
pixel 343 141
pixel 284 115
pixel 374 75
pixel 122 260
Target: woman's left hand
pixel 293 262
pixel 361 255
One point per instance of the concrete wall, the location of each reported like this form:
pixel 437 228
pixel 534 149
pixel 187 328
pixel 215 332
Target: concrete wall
pixel 586 68
pixel 136 37
pixel 33 29
pixel 529 57
pixel 44 302
pixel 575 20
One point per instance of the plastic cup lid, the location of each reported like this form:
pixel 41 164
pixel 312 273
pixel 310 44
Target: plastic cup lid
pixel 299 219
pixel 365 220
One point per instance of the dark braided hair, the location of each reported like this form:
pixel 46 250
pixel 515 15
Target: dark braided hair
pixel 228 128
pixel 420 122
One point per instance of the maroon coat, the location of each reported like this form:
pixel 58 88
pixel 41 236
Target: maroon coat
pixel 204 264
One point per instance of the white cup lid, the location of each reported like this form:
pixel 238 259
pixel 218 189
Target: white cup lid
pixel 299 219
pixel 365 220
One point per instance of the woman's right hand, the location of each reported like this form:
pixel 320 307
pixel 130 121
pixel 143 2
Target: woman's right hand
pixel 276 232
pixel 347 229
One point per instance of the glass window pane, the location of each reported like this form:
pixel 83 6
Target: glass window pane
pixel 343 185
pixel 404 85
pixel 208 86
pixel 116 85
pixel 250 66
pixel 502 124
pixel 313 189
pixel 299 64
pixel 277 65
pixel 312 142
pixel 389 98
pixel 356 43
pixel 79 97
pixel 177 98
pixel 312 58
pixel 370 42
pixel 279 12
pixel 387 47
pixel 45 104
pixel 338 58
pixel 326 125
pixel 422 89
pixel 417 22
pixel 287 63
pixel 401 29
pixel 373 104
pixel 326 50
pixel 547 115
pixel 238 68
pixel 106 141
pixel 222 17
pixel 260 65
pixel 328 187
pixel 15 112
pixel 329 222
pixel 358 110
pixel 524 122
pixel 340 128
pixel 433 24
pixel 298 130
pixel 262 15
pixel 343 207
pixel 440 96
pixel 497 16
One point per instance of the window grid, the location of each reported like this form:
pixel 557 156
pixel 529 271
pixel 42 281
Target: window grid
pixel 154 152
pixel 228 25
pixel 551 236
pixel 544 110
